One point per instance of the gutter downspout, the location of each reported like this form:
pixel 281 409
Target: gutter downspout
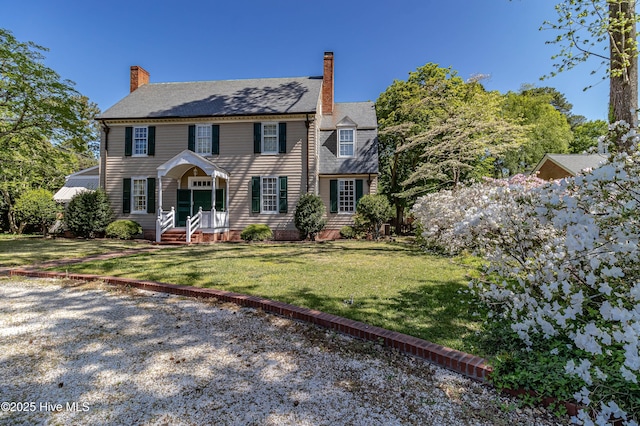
pixel 307 123
pixel 103 159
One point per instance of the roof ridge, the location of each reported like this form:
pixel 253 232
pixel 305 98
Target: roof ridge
pixel 236 79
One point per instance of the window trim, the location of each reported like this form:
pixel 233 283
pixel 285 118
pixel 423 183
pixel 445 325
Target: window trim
pixel 133 195
pixel 353 202
pixel 146 142
pixel 209 141
pixel 277 138
pixel 276 196
pixel 353 142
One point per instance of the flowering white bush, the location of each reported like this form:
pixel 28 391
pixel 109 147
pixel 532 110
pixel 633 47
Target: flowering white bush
pixel 462 219
pixel 563 272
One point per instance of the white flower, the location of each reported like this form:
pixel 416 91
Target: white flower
pixel 583 396
pixel 628 375
pixel 599 374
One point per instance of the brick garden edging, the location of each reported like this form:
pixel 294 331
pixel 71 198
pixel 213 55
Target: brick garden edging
pixel 468 365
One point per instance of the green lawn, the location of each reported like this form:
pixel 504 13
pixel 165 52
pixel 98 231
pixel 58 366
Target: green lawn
pixel 394 286
pixel 19 250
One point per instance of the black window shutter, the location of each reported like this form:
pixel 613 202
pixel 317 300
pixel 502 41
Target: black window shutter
pixel 215 139
pixel 128 141
pixel 151 141
pixel 220 199
pixel 255 194
pixel 282 194
pixel 359 190
pixel 257 138
pixel 126 195
pixel 191 143
pixel 333 196
pixel 282 138
pixel 151 195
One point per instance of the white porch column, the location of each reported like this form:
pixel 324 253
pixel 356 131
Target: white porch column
pixel 226 202
pixel 213 198
pixel 159 191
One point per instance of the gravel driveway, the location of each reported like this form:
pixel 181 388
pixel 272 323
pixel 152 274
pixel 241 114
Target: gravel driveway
pixel 88 354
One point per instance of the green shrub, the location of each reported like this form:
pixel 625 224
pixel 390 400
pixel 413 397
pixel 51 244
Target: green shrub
pixel 256 232
pixel 372 212
pixel 347 232
pixel 123 229
pixel 88 213
pixel 309 217
pixel 37 208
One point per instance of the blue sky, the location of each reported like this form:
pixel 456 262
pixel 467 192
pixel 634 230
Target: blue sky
pixel 375 42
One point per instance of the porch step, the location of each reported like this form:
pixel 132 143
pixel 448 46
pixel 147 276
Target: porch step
pixel 179 237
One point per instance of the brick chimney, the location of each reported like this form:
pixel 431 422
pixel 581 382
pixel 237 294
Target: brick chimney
pixel 327 84
pixel 139 77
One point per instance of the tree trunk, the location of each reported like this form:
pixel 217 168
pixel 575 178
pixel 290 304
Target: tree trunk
pixel 393 189
pixel 399 216
pixel 13 227
pixel 623 86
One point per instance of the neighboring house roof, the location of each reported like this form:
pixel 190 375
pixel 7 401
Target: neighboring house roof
pixel 572 164
pixel 219 98
pixel 84 180
pixel 363 115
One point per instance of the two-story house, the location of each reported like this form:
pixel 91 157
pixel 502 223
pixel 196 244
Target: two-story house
pixel 212 157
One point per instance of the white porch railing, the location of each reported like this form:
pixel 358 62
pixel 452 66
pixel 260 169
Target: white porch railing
pixel 218 220
pixel 193 223
pixel 221 220
pixel 164 222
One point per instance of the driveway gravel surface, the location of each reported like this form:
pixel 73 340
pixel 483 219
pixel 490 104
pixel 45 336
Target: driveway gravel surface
pixel 92 354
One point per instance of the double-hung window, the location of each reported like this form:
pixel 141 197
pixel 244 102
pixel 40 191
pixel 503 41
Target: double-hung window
pixel 269 138
pixel 346 195
pixel 346 142
pixel 269 195
pixel 138 195
pixel 203 139
pixel 140 140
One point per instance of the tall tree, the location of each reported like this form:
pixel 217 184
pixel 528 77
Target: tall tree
pixel 28 165
pixel 34 101
pixel 403 111
pixel 585 135
pixel 44 122
pixel 584 27
pixel 436 130
pixel 548 130
pixel 457 143
pixel 558 100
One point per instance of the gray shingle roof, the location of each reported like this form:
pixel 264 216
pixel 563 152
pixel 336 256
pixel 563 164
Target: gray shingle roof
pixel 74 186
pixel 575 163
pixel 219 98
pixel 363 114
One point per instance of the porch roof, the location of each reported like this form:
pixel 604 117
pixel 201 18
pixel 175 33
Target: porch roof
pixel 181 163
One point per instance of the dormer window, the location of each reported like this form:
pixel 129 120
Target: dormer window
pixel 346 138
pixel 346 142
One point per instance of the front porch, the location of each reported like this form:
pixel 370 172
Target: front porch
pixel 200 213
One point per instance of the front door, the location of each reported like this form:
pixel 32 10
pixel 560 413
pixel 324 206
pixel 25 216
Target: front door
pixel 184 206
pixel 201 198
pixel 188 206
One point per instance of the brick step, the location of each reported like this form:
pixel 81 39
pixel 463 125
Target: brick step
pixel 179 236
